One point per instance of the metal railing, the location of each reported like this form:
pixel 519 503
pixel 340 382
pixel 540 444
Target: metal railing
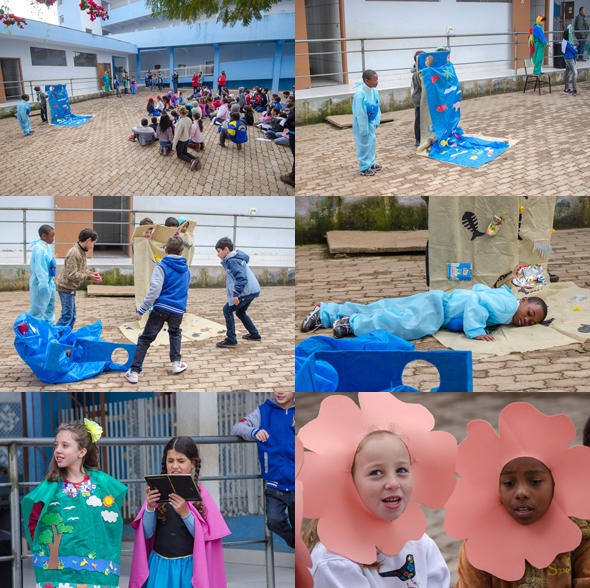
pixel 234 226
pixel 14 485
pixel 446 38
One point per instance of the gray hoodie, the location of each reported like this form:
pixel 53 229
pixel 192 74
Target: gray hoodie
pixel 416 86
pixel 241 97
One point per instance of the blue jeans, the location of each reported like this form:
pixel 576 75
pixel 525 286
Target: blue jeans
pixel 154 325
pixel 175 84
pixel 581 48
pixel 280 513
pixel 68 309
pixel 240 310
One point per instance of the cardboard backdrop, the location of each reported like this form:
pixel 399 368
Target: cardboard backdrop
pixel 58 108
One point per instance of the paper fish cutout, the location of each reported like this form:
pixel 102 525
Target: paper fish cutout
pixel 83 563
pixel 444 143
pixel 442 107
pixel 406 572
pixel 457 105
pixel 469 221
pixel 474 157
pixel 434 78
pixel 94 566
pixel 584 329
pixel 451 89
pixel 544 249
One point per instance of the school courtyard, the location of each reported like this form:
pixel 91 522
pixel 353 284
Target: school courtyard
pixel 264 365
pixel 97 159
pixel 551 157
pixel 365 279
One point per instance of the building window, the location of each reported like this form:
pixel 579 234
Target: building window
pixel 209 67
pixel 84 59
pixel 61 19
pixel 89 31
pixel 48 57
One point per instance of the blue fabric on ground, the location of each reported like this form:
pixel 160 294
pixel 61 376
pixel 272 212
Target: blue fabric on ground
pixel 443 91
pixel 58 355
pixel 58 108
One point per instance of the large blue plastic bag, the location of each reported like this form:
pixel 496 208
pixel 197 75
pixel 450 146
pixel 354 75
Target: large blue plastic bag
pixel 58 355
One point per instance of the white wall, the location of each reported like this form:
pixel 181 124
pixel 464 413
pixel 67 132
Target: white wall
pixel 88 24
pixel 12 232
pixel 382 19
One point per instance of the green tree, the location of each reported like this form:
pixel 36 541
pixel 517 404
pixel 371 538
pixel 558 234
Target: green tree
pixel 229 12
pixel 53 520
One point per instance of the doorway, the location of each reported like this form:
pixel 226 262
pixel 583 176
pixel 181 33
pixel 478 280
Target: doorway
pixel 112 226
pixel 11 84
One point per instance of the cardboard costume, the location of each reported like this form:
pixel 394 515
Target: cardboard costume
pixel 208 566
pixel 495 542
pixel 78 536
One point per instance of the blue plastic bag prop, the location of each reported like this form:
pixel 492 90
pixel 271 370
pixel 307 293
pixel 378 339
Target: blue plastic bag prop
pixel 58 108
pixel 443 91
pixel 58 355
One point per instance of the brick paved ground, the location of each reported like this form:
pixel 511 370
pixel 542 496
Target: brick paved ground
pixel 96 159
pixel 452 412
pixel 547 126
pixel 256 366
pixel 365 279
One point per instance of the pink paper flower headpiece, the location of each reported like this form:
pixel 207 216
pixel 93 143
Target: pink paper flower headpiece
pixel 345 525
pixel 496 543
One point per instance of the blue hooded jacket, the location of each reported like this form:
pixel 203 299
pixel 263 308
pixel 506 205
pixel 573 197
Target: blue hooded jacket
pixel 239 279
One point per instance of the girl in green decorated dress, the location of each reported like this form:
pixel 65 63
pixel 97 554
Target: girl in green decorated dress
pixel 73 518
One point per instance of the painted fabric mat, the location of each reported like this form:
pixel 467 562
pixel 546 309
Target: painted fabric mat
pixel 567 322
pixel 194 328
pixel 58 108
pixel 443 92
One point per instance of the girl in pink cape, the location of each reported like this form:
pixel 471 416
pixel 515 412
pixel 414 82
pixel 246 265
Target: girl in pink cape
pixel 178 545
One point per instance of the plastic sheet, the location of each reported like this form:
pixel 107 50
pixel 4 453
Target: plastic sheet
pixel 58 108
pixel 58 355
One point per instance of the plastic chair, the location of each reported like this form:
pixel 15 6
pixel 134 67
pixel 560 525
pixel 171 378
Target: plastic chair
pixel 528 65
pixel 377 371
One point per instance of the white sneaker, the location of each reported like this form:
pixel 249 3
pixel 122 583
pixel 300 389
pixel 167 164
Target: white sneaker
pixel 179 367
pixel 132 377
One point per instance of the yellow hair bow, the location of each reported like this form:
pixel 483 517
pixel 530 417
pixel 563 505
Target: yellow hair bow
pixel 94 429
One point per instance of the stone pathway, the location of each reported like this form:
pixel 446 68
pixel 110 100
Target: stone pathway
pixel 365 279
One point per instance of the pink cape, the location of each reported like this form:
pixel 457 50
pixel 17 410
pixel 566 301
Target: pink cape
pixel 208 566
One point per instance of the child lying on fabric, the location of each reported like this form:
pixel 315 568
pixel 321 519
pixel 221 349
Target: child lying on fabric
pixel 412 317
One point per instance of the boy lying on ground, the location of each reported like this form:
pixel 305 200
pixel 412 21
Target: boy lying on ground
pixel 412 317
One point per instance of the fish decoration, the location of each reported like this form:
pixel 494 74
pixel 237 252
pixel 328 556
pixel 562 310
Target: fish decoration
pixel 434 78
pixel 456 106
pixel 444 143
pixel 474 157
pixel 451 89
pixel 544 249
pixel 442 107
pixel 502 278
pixel 83 563
pixel 469 221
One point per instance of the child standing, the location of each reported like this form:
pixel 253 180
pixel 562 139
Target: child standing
pixel 22 114
pixel 42 100
pixel 133 85
pixel 416 93
pixel 75 270
pixel 242 288
pixel 42 284
pixel 182 134
pixel 366 118
pixel 118 92
pixel 178 544
pixel 571 68
pixel 272 424
pixel 73 519
pixel 168 294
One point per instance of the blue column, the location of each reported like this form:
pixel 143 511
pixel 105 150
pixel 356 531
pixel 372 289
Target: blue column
pixel 276 70
pixel 216 69
pixel 171 50
pixel 114 70
pixel 138 66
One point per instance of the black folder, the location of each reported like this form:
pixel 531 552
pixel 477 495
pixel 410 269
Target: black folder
pixel 181 484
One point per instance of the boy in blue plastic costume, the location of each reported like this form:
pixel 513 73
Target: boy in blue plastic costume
pixel 22 114
pixel 412 317
pixel 366 117
pixel 42 283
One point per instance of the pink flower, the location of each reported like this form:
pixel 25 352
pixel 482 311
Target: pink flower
pixel 346 526
pixel 496 543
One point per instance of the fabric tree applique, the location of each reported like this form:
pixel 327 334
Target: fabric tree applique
pixel 54 521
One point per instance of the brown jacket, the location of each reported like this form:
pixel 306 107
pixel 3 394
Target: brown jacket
pixel 568 570
pixel 74 270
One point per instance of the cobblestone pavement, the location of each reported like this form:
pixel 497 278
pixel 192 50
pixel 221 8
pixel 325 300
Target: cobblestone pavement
pixel 256 366
pixel 544 126
pixel 452 413
pixel 365 279
pixel 96 159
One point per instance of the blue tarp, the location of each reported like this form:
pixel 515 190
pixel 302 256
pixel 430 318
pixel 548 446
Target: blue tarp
pixel 443 91
pixel 58 108
pixel 58 355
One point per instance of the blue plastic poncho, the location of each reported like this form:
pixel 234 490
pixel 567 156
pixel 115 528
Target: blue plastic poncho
pixel 41 283
pixel 366 118
pixel 424 314
pixel 22 114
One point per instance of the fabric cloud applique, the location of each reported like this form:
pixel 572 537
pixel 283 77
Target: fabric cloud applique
pixel 109 516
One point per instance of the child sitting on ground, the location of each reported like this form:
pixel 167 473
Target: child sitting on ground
pixel 366 118
pixel 144 133
pixel 168 294
pixel 175 116
pixel 160 105
pixel 151 109
pixel 412 317
pixel 242 288
pixel 181 101
pixel 165 134
pixel 154 123
pixel 272 426
pixel 248 118
pixel 197 140
pixel 236 131
pixel 221 113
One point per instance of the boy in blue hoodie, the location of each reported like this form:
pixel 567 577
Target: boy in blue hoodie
pixel 169 295
pixel 242 287
pixel 272 425
pixel 571 69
